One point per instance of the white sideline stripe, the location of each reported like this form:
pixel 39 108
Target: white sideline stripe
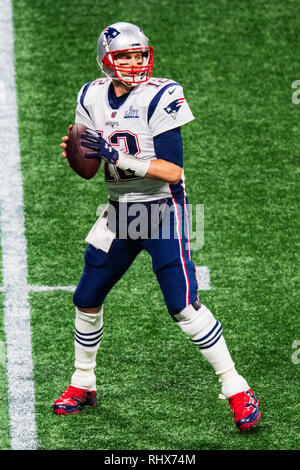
pixel 14 257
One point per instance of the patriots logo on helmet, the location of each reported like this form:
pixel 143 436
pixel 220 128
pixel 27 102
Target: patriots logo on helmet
pixel 173 108
pixel 110 34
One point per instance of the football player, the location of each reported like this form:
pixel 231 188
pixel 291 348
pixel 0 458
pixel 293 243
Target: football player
pixel 133 125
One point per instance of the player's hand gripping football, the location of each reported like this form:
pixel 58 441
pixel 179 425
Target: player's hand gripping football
pixel 102 148
pixel 65 139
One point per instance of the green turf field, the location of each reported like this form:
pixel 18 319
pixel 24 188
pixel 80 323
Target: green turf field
pixel 236 61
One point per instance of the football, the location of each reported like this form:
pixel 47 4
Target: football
pixel 84 167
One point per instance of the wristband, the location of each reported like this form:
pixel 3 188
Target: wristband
pixel 140 167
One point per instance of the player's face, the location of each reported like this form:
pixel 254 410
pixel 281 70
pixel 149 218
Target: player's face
pixel 127 60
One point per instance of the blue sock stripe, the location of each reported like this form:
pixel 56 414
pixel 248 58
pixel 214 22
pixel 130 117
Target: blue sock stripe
pixel 88 334
pixel 87 340
pixel 196 341
pixel 214 342
pixel 213 337
pixel 87 345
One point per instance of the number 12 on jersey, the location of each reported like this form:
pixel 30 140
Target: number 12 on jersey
pixel 128 143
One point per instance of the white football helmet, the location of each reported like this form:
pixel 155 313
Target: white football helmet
pixel 124 37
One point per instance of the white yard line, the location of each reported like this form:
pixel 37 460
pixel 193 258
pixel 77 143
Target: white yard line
pixel 14 257
pixel 51 288
pixel 202 273
pixel 203 278
pixel 47 288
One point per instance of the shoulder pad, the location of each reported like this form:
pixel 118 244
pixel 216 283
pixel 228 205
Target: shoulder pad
pixel 159 93
pixel 100 81
pixel 89 86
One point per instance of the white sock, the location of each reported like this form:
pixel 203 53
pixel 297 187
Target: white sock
pixel 205 332
pixel 88 335
pixel 219 356
pixel 233 383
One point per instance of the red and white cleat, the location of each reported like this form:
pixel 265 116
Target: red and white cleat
pixel 73 400
pixel 244 405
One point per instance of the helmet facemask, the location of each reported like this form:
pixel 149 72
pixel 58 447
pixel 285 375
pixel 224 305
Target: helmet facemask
pixel 127 74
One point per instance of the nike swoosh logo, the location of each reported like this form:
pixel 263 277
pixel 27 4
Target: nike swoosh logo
pixel 172 91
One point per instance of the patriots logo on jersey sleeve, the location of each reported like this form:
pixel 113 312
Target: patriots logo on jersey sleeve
pixel 110 34
pixel 173 108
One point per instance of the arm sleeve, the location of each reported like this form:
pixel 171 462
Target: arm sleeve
pixel 168 146
pixel 168 109
pixel 82 115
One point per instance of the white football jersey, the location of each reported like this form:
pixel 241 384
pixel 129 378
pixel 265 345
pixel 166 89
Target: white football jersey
pixel 150 109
